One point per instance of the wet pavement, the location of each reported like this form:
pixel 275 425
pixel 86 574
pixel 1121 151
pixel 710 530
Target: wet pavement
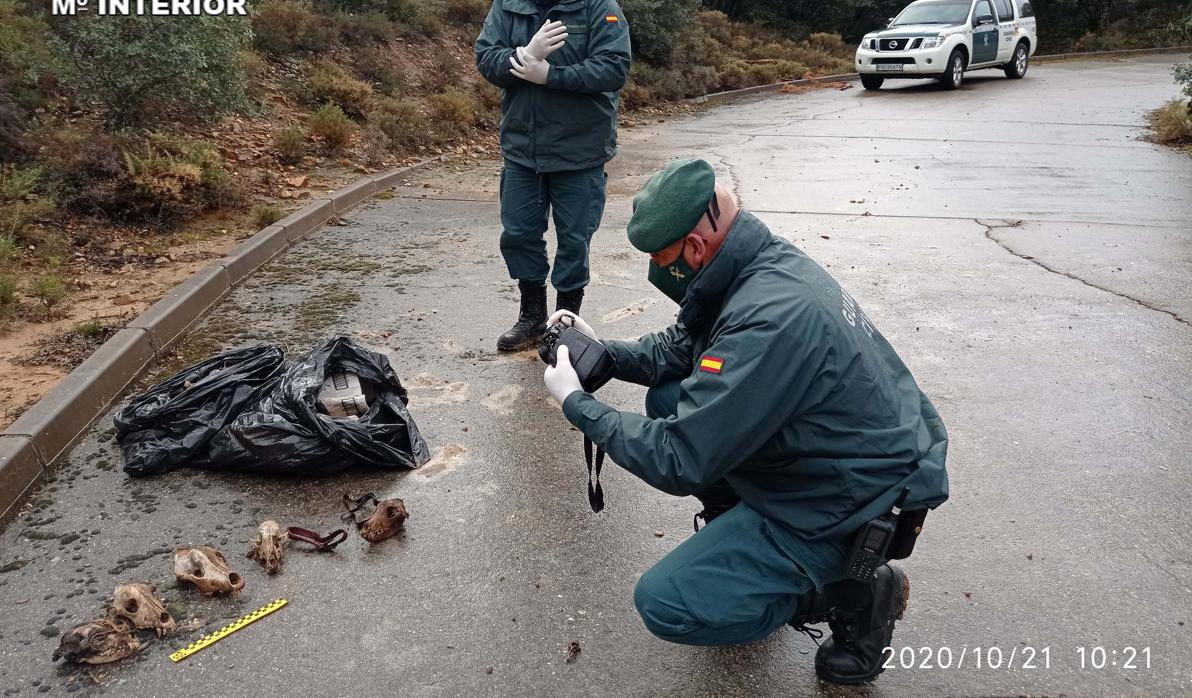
pixel 1028 255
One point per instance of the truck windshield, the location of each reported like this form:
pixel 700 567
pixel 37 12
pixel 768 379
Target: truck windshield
pixel 934 12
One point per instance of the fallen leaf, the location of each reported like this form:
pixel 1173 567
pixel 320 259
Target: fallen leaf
pixel 572 651
pixel 968 594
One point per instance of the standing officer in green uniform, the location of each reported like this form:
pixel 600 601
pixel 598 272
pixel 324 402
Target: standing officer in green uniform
pixel 776 402
pixel 560 64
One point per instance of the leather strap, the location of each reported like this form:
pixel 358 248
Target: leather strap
pixel 595 491
pixel 355 504
pixel 325 543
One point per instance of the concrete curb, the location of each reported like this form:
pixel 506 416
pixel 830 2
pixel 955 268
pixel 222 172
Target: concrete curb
pixel 848 77
pixel 35 442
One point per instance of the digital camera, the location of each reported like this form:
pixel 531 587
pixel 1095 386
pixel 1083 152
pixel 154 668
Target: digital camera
pixel 593 364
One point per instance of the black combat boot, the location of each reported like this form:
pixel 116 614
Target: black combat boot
pixel 862 625
pixel 531 321
pixel 814 607
pixel 570 300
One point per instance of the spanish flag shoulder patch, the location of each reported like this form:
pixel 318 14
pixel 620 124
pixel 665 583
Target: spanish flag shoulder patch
pixel 711 364
pixel 611 19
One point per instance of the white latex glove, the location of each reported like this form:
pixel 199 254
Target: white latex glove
pixel 574 321
pixel 561 379
pixel 529 68
pixel 548 39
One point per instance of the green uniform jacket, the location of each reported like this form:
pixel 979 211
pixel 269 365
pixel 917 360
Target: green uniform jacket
pixel 571 122
pixel 810 416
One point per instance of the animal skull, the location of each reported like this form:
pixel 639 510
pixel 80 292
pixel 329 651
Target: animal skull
pixel 385 521
pixel 268 546
pixel 97 642
pixel 137 603
pixel 207 569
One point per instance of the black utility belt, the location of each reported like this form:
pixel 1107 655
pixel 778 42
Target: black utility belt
pixel 890 536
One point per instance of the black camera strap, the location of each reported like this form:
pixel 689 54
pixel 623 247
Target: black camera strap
pixel 595 491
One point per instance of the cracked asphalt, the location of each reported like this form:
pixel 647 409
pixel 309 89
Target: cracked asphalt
pixel 1026 252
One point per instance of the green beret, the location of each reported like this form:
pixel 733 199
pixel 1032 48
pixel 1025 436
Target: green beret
pixel 669 206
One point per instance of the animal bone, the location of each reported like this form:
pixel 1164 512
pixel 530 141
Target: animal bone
pixel 207 569
pixel 385 521
pixel 97 642
pixel 268 546
pixel 137 603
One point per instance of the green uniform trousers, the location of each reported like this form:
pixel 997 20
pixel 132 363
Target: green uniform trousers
pixel 527 198
pixel 730 583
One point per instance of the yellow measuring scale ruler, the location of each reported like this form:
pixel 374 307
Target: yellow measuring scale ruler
pixel 227 630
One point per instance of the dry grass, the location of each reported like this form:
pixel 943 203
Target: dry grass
pixel 1172 123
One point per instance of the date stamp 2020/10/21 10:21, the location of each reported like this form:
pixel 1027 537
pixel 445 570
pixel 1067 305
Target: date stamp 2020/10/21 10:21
pixel 1022 657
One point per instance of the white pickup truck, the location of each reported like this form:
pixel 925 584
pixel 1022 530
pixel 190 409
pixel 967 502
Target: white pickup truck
pixel 944 38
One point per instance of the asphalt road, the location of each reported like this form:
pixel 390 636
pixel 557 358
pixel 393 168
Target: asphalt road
pixel 1026 252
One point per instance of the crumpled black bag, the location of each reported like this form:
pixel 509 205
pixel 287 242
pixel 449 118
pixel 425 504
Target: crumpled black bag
pixel 284 433
pixel 173 422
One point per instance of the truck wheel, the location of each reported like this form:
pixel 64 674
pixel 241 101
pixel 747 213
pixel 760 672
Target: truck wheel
pixel 951 79
pixel 1017 66
pixel 872 82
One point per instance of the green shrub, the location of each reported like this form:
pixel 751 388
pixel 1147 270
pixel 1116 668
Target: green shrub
pixel 657 26
pixel 254 66
pixel 49 288
pixel 376 63
pixel 92 329
pixel 360 30
pixel 153 178
pixel 454 108
pixel 1173 122
pixel 9 250
pixel 151 68
pixel 22 199
pixel 831 44
pixel 329 82
pixel 332 126
pixel 1183 75
pixel 287 27
pixel 8 293
pixel 717 25
pixel 13 145
pixel 291 145
pixel 265 215
pixel 442 75
pixel 375 144
pixel 24 59
pixel 488 114
pixel 401 120
pixel 634 96
pixel 466 12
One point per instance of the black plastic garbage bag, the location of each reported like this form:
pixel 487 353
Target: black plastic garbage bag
pixel 172 423
pixel 284 433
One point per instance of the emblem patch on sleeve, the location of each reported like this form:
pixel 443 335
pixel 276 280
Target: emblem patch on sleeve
pixel 711 364
pixel 611 19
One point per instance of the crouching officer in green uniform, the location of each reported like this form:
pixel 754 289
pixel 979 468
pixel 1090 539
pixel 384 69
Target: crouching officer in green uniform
pixel 775 401
pixel 561 64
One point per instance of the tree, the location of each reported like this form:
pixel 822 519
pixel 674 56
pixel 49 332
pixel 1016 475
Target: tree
pixel 656 25
pixel 143 69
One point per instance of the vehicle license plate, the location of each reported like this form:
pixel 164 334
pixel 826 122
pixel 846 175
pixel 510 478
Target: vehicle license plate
pixel 889 66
